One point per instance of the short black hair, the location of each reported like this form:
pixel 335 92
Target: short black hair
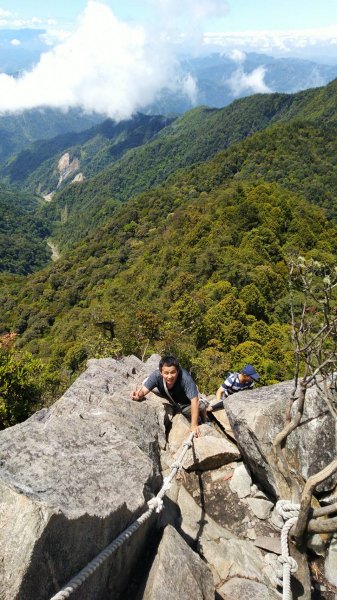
pixel 169 361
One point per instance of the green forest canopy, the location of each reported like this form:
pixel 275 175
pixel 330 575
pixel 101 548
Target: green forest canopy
pixel 196 267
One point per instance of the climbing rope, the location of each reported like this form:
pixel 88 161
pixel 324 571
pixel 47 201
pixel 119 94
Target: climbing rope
pixel 289 512
pixel 155 503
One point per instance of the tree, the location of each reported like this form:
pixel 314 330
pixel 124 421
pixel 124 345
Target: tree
pixel 20 383
pixel 313 287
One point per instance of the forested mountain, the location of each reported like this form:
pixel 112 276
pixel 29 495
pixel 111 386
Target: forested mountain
pixel 195 267
pixel 36 167
pixel 220 78
pixel 19 129
pixel 195 137
pixel 23 248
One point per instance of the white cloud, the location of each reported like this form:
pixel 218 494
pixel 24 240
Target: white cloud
pixel 9 20
pixel 241 83
pixel 237 55
pixel 54 36
pixel 282 42
pixel 15 42
pixel 105 66
pixel 190 88
pixel 4 13
pixel 182 22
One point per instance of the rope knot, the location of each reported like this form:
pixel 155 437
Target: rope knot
pixel 188 444
pixel 289 560
pixel 156 503
pixel 287 509
pixel 175 465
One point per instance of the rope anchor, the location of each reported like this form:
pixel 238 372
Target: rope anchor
pixel 289 512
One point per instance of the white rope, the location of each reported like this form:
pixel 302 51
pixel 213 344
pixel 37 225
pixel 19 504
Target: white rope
pixel 156 503
pixel 289 512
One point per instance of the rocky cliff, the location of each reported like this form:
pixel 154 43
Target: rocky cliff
pixel 75 475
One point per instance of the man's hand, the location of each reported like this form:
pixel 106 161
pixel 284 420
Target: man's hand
pixel 195 430
pixel 135 395
pixel 139 394
pixel 195 416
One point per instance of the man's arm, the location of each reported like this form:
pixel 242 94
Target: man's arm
pixel 139 394
pixel 219 393
pixel 195 416
pixel 147 385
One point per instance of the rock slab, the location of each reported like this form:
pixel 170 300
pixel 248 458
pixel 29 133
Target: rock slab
pixel 72 477
pixel 178 572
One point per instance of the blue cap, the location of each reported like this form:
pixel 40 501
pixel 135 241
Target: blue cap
pixel 249 370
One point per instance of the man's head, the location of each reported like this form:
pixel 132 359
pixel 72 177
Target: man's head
pixel 169 368
pixel 249 373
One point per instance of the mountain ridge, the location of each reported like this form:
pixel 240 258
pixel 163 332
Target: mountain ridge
pixel 195 137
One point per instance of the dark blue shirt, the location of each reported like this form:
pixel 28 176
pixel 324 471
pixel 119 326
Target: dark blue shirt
pixel 183 390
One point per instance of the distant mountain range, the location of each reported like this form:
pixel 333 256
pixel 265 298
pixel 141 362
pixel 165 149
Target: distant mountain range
pixel 220 79
pixel 18 130
pixel 214 80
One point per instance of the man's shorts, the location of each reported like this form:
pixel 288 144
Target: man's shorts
pixel 186 410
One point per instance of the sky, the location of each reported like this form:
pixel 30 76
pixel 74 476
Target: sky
pixel 115 56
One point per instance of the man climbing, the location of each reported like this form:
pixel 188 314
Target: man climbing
pixel 235 382
pixel 176 385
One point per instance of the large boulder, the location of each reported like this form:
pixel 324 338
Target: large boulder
pixel 210 451
pixel 256 416
pixel 72 477
pixel 178 572
pixel 244 589
pixel 226 554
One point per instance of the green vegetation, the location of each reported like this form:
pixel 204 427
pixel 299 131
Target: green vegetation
pixel 23 379
pixel 199 135
pixel 36 166
pixel 19 129
pixel 195 266
pixel 197 273
pixel 23 248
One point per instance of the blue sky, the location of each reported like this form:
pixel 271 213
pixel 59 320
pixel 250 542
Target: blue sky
pixel 115 56
pixel 240 15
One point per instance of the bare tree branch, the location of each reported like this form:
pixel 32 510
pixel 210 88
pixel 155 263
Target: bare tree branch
pixel 322 526
pixel 325 510
pixel 309 487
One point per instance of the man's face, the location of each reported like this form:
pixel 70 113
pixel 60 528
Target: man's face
pixel 246 378
pixel 170 375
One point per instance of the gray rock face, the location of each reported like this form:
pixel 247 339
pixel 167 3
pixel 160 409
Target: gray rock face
pixel 256 416
pixel 331 562
pixel 260 507
pixel 243 589
pixel 72 478
pixel 241 481
pixel 226 554
pixel 178 572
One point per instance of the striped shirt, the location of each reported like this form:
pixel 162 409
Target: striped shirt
pixel 232 384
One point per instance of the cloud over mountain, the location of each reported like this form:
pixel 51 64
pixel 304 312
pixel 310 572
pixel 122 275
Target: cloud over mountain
pixel 105 65
pixel 285 43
